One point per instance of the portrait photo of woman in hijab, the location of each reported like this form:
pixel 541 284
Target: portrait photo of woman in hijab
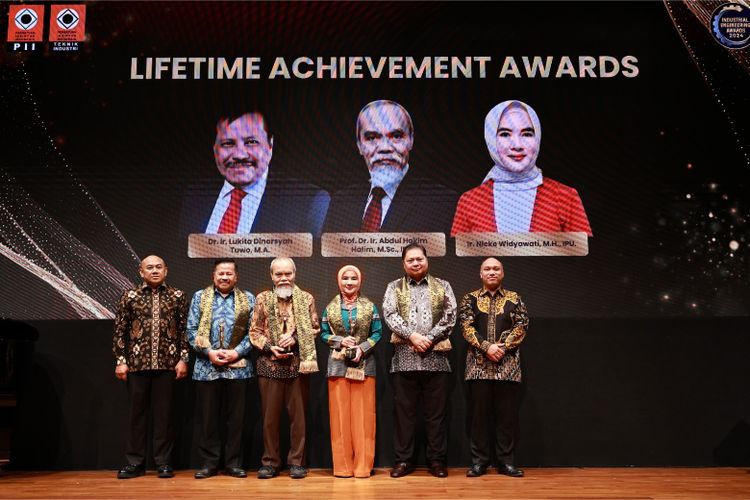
pixel 351 327
pixel 515 197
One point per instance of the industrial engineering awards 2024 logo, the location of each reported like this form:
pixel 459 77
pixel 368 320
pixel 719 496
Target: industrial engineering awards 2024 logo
pixel 730 25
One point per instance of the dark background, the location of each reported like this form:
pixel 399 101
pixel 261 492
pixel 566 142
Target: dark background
pixel 643 392
pixel 110 158
pixel 635 353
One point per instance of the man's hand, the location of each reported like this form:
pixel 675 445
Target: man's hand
pixel 229 355
pixel 358 356
pixel 278 352
pixel 216 357
pixel 420 342
pixel 121 372
pixel 181 370
pixel 495 353
pixel 287 341
pixel 349 342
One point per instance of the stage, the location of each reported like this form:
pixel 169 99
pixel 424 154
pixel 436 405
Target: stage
pixel 539 483
pixel 633 368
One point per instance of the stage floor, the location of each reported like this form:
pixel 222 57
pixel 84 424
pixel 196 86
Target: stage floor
pixel 547 483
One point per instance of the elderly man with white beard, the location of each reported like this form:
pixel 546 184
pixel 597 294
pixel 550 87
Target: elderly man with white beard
pixel 284 326
pixel 396 197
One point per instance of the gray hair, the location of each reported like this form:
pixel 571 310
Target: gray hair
pixel 278 259
pixel 381 102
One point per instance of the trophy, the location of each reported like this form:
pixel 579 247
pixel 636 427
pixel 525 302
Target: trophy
pixel 221 342
pixel 284 318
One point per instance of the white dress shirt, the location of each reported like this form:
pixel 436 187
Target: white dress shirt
pixel 250 205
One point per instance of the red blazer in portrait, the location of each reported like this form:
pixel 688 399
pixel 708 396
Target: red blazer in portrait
pixel 557 208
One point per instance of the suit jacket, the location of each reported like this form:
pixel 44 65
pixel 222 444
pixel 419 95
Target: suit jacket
pixel 287 206
pixel 557 208
pixel 419 205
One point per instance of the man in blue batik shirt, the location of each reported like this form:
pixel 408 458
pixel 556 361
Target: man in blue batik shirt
pixel 217 329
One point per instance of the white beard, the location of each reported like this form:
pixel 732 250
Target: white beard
pixel 284 291
pixel 385 175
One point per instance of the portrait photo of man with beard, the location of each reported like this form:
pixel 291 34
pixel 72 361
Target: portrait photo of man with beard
pixel 395 199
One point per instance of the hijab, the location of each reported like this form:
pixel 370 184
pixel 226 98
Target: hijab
pixel 341 274
pixel 504 179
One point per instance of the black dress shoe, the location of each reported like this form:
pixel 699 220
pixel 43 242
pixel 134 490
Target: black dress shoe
pixel 205 473
pixel 401 469
pixel 476 470
pixel 267 472
pixel 130 471
pixel 235 472
pixel 165 471
pixel 438 469
pixel 297 472
pixel 509 470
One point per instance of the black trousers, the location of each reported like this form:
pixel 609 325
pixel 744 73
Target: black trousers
pixel 152 389
pixel 494 404
pixel 407 389
pixel 209 396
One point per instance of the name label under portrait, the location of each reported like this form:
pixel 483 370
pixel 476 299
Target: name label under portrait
pixel 379 244
pixel 521 244
pixel 252 245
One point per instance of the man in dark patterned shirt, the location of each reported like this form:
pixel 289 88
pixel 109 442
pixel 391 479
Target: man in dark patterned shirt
pixel 420 310
pixel 284 326
pixel 494 322
pixel 151 352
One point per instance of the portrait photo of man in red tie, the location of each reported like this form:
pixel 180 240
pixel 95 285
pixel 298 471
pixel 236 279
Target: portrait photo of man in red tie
pixel 252 199
pixel 394 200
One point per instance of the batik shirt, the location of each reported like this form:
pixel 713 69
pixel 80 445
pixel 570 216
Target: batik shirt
pixel 150 328
pixel 493 318
pixel 419 320
pixel 336 367
pixel 222 314
pixel 278 368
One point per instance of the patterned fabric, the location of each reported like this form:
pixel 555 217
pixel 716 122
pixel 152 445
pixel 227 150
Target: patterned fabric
pixel 222 317
pixel 237 333
pixel 358 326
pixel 368 332
pixel 419 319
pixel 303 331
pixel 437 297
pixel 493 318
pixel 150 328
pixel 260 334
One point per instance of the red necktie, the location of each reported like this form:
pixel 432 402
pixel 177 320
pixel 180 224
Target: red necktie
pixel 374 212
pixel 231 218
